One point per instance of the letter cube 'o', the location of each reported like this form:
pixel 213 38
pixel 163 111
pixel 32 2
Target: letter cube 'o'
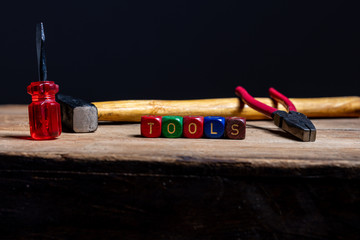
pixel 193 126
pixel 214 127
pixel 172 126
pixel 235 127
pixel 151 126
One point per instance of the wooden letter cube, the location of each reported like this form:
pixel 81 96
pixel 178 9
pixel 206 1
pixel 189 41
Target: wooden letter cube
pixel 172 126
pixel 214 127
pixel 151 126
pixel 235 127
pixel 193 126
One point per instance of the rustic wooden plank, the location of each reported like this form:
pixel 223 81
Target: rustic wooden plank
pixel 115 184
pixel 69 204
pixel 337 145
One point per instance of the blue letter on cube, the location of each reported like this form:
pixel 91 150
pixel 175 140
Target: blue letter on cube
pixel 214 127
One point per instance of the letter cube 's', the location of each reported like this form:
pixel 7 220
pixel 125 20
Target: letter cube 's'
pixel 172 126
pixel 214 127
pixel 235 127
pixel 151 126
pixel 193 126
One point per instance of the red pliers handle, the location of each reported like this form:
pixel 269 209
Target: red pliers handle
pixel 292 121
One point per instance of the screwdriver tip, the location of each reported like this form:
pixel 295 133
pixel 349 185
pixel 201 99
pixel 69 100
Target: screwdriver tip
pixel 40 31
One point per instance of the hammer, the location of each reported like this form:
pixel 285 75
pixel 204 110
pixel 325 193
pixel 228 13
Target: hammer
pixel 81 116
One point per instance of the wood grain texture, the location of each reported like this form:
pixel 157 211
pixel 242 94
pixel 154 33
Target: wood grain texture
pixel 132 110
pixel 337 144
pixel 115 184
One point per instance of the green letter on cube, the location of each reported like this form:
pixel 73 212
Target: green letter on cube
pixel 172 126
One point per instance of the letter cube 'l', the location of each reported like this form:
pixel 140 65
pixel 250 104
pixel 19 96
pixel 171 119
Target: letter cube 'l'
pixel 172 126
pixel 235 127
pixel 193 126
pixel 151 126
pixel 214 127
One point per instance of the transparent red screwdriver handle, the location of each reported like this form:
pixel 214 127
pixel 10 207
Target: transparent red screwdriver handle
pixel 44 111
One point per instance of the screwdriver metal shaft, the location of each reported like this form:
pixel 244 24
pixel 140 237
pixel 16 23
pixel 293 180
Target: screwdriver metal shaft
pixel 40 50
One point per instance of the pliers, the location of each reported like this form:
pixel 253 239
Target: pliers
pixel 293 122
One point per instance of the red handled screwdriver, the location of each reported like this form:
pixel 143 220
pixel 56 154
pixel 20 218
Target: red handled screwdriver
pixel 44 111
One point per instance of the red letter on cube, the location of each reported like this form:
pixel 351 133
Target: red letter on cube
pixel 235 127
pixel 193 126
pixel 151 126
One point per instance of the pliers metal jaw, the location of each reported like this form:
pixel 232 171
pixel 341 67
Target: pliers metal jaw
pixel 295 123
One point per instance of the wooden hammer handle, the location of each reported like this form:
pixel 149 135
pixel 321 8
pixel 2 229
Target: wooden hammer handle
pixel 132 110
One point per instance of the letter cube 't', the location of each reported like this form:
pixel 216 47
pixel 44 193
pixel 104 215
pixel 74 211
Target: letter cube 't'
pixel 235 127
pixel 214 127
pixel 151 126
pixel 172 126
pixel 193 126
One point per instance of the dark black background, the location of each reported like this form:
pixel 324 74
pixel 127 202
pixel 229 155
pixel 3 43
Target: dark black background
pixel 128 49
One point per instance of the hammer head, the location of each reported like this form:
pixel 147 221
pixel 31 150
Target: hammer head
pixel 78 115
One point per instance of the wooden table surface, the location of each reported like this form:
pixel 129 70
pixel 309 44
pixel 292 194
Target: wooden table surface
pixel 118 156
pixel 337 145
